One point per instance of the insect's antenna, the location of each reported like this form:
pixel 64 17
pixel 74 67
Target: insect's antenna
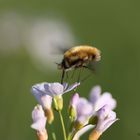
pixel 63 75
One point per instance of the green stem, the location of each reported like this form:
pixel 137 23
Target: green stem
pixel 63 126
pixel 71 135
pixel 52 132
pixel 53 136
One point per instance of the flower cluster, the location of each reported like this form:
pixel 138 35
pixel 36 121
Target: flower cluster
pixel 84 114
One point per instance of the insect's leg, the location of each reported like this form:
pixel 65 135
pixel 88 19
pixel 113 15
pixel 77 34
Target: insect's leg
pixel 86 67
pixel 79 74
pixel 72 75
pixel 67 76
pixel 63 75
pixel 91 70
pixel 89 75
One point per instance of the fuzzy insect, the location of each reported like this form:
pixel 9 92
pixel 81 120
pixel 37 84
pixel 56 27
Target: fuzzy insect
pixel 77 57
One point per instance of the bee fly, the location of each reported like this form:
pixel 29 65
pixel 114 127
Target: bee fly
pixel 77 57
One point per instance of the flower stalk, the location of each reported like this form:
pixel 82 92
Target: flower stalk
pixel 63 125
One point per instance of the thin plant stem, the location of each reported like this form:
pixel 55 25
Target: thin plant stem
pixel 52 132
pixel 63 125
pixel 53 136
pixel 71 135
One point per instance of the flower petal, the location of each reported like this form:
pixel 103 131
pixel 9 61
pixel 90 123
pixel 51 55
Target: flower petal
pixel 82 131
pixel 84 110
pixel 95 94
pixel 47 89
pixel 105 99
pixel 57 88
pixel 74 100
pixel 106 117
pixel 39 119
pixel 111 119
pixel 54 89
pixel 39 125
pixel 73 86
pixel 38 89
pixel 39 92
pixel 65 85
pixel 46 101
pixel 84 107
pixel 37 113
pixel 103 112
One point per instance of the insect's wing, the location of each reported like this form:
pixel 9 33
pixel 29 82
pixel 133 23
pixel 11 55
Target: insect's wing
pixel 60 50
pixel 94 66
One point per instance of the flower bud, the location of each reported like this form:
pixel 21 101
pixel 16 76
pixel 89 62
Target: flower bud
pixel 72 113
pixel 78 125
pixel 72 107
pixel 93 120
pixel 39 120
pixel 49 114
pixel 58 102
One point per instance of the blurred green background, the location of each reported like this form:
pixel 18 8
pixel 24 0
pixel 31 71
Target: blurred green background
pixel 111 26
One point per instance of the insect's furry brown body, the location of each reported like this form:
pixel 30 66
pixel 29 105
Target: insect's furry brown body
pixel 79 56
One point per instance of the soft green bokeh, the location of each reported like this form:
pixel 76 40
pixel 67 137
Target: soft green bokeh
pixel 111 26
